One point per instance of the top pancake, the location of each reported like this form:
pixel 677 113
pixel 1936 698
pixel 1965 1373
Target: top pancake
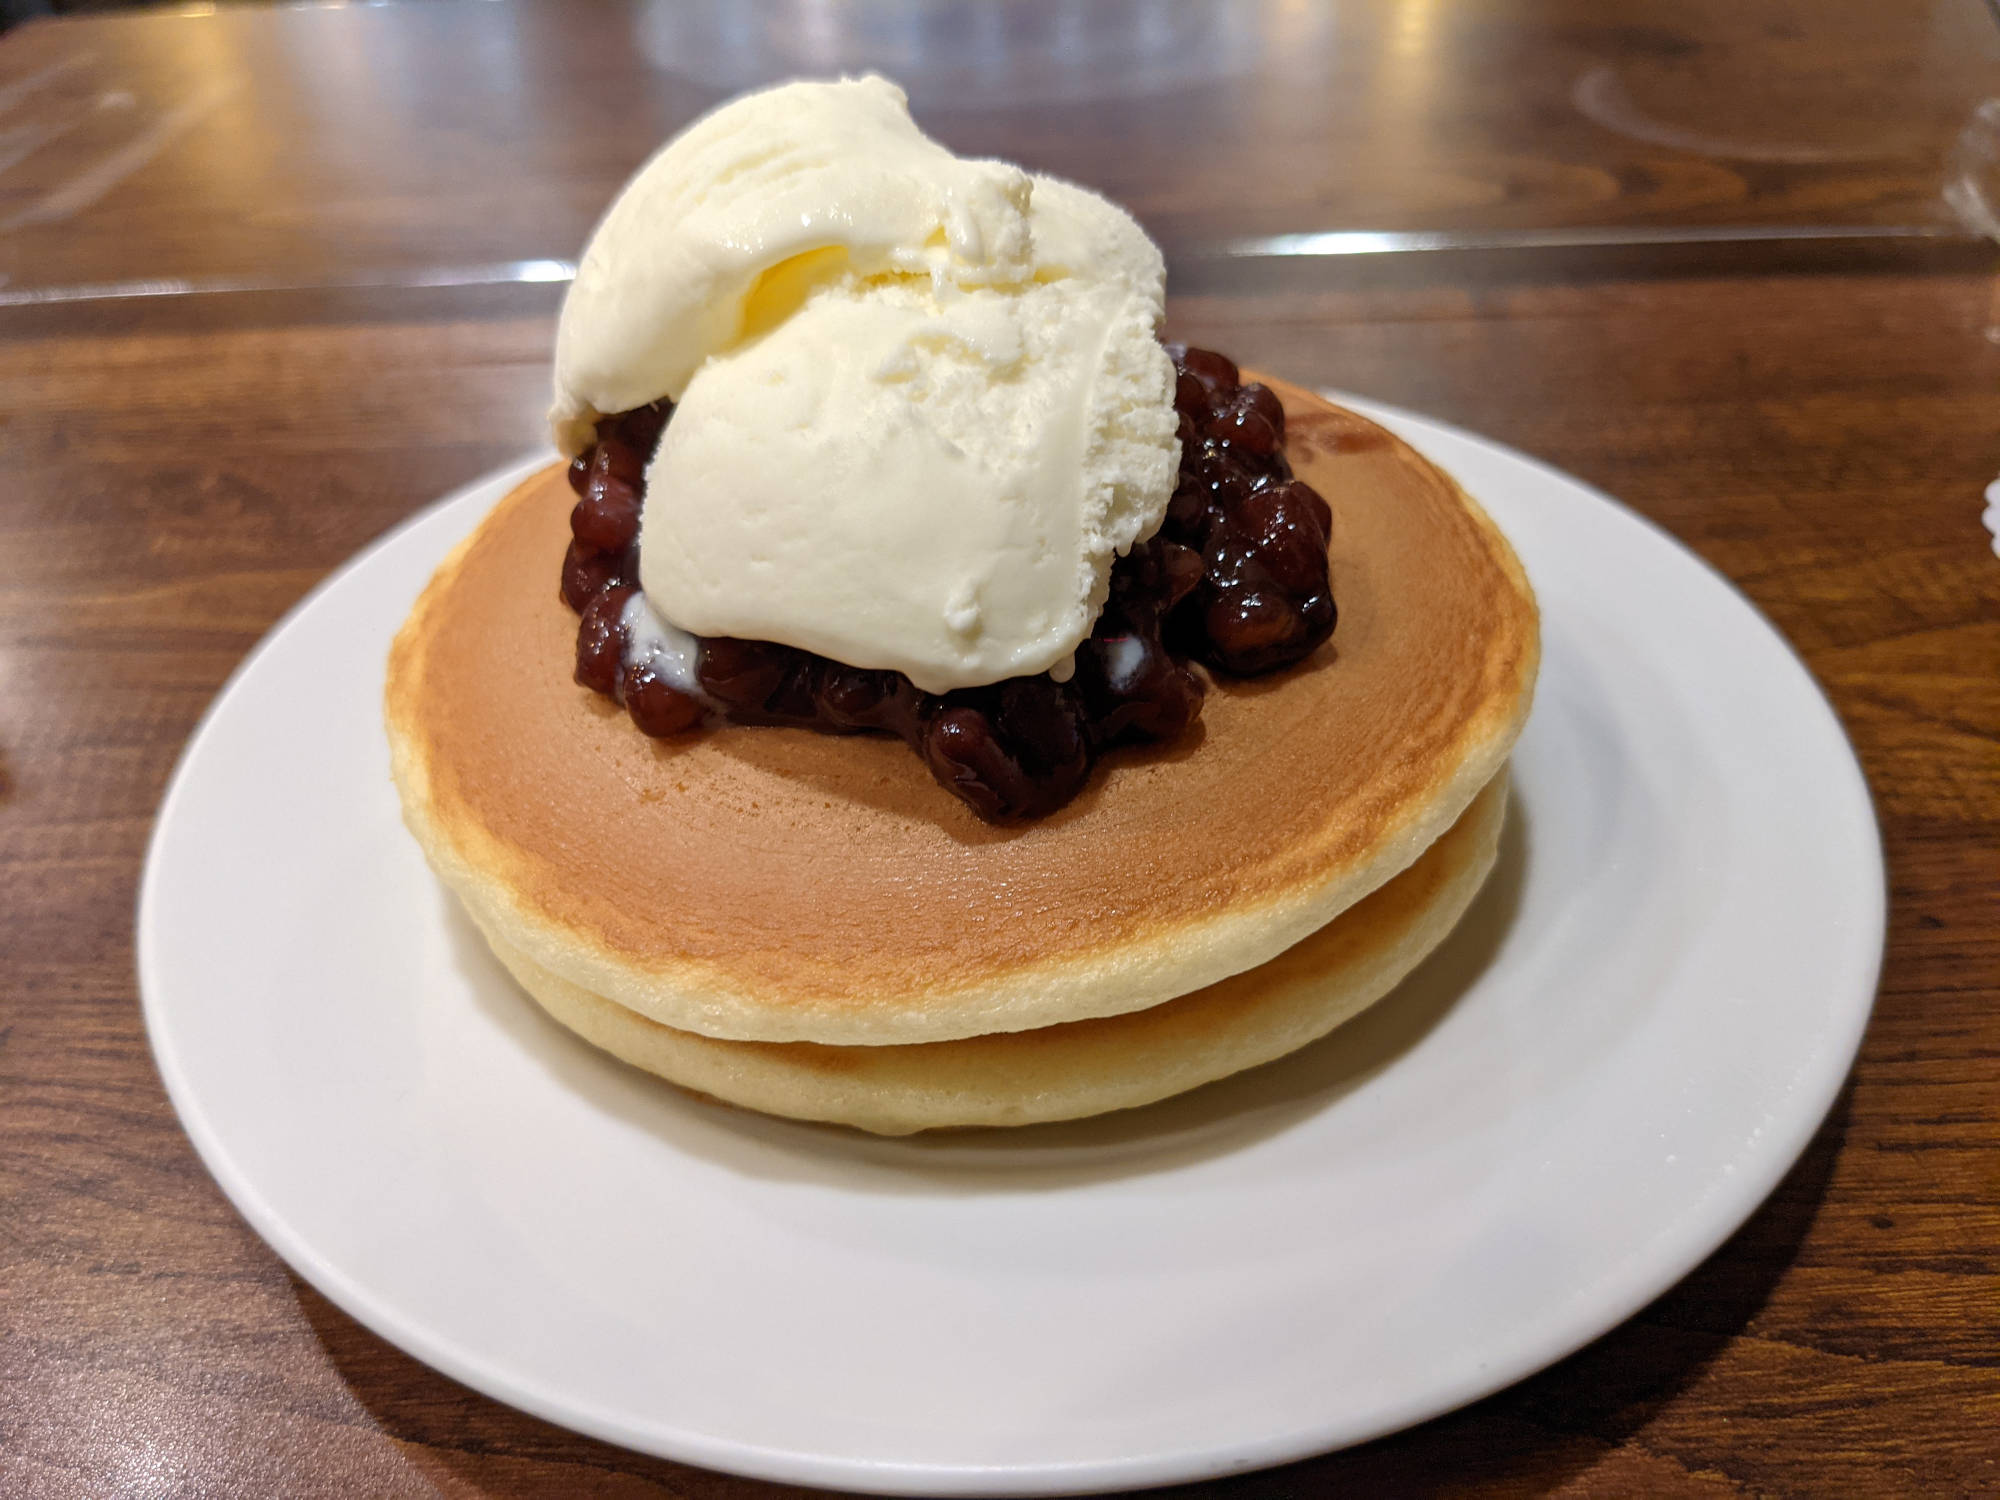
pixel 783 885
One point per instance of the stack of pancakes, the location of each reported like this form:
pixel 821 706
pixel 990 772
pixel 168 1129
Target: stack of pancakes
pixel 809 925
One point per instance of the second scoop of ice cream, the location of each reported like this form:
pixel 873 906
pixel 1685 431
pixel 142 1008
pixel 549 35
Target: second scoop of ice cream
pixel 931 419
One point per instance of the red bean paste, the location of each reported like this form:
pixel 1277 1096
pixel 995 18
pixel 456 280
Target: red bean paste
pixel 1235 579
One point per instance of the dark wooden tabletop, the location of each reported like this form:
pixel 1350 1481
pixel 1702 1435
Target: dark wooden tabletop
pixel 270 280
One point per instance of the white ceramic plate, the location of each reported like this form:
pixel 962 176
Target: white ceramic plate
pixel 1633 1035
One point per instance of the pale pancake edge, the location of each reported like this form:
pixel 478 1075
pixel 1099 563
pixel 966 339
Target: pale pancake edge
pixel 1080 1068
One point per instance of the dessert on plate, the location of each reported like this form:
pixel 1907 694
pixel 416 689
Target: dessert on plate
pixel 872 450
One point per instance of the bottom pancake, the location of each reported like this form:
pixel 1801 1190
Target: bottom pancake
pixel 1078 1068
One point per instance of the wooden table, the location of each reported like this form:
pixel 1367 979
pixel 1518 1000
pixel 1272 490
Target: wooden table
pixel 274 279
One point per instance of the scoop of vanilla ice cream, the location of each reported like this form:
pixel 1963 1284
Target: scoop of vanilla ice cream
pixel 922 405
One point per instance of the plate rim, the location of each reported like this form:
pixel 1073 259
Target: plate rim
pixel 1668 1259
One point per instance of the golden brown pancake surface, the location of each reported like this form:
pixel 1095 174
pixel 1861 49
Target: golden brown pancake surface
pixel 780 885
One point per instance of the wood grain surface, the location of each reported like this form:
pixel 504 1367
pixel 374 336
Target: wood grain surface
pixel 318 143
pixel 175 471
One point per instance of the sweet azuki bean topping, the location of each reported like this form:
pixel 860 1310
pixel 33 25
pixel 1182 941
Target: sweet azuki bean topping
pixel 1236 579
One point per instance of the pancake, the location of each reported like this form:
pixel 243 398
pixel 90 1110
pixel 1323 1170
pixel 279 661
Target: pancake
pixel 1079 1068
pixel 763 884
